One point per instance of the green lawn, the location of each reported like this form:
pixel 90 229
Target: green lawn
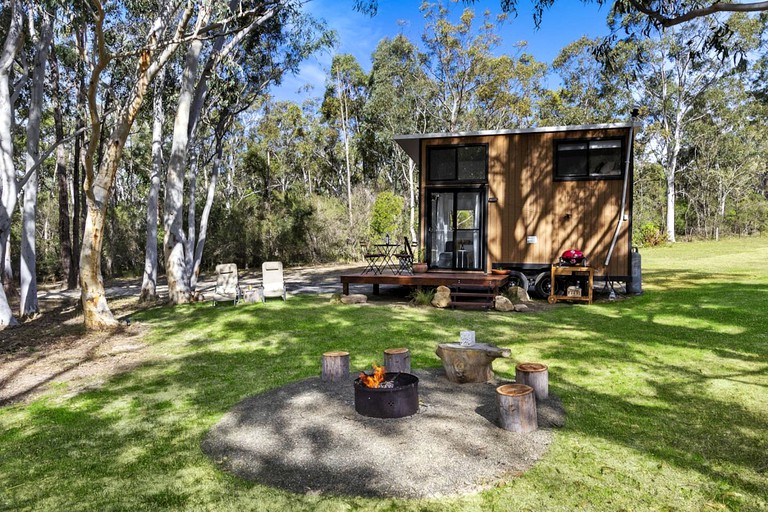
pixel 666 394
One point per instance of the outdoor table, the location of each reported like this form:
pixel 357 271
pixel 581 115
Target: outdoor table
pixel 388 259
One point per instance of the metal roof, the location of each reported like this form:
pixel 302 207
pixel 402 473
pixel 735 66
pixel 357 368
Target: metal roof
pixel 410 143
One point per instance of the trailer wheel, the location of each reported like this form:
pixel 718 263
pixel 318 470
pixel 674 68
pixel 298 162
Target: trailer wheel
pixel 518 279
pixel 543 285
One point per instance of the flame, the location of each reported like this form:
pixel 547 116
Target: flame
pixel 375 380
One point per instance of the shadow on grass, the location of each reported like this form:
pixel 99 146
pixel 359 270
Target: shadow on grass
pixel 642 373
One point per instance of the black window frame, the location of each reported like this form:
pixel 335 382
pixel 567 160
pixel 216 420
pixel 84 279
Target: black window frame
pixel 455 148
pixel 589 177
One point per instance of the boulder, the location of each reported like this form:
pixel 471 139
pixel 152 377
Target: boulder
pixel 354 298
pixel 442 298
pixel 501 303
pixel 521 308
pixel 520 293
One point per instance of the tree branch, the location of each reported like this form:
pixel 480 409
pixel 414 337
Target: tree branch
pixel 23 180
pixel 716 7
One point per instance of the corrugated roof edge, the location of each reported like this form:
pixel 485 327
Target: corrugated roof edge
pixel 407 141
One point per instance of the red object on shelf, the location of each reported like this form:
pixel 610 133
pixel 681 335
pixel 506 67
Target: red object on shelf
pixel 573 257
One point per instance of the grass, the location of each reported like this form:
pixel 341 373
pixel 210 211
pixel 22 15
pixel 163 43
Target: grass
pixel 665 394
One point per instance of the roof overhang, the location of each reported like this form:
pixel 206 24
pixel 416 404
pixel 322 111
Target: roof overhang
pixel 410 143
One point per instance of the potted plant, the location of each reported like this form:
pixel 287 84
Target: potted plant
pixel 420 265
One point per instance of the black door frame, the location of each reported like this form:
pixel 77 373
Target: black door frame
pixel 483 222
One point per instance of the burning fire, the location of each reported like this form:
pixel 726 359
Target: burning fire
pixel 375 380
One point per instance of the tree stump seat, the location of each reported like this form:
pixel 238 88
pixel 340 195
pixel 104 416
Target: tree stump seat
pixel 535 375
pixel 517 408
pixel 469 363
pixel 397 360
pixel 335 366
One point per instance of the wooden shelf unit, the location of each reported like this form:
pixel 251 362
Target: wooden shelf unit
pixel 558 271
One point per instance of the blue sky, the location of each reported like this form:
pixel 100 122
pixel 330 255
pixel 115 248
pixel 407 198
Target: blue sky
pixel 359 34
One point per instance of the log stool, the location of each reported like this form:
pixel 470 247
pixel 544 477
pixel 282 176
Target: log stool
pixel 335 366
pixel 535 375
pixel 397 360
pixel 517 408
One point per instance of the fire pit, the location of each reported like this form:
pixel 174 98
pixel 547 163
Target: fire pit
pixel 396 397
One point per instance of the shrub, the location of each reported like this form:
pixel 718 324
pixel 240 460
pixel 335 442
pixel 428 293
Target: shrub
pixel 422 296
pixel 649 235
pixel 387 216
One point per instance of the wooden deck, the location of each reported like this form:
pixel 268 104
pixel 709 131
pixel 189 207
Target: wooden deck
pixel 426 279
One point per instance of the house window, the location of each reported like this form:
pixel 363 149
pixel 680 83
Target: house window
pixel 458 163
pixel 588 159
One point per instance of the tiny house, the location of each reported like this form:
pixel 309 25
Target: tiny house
pixel 517 199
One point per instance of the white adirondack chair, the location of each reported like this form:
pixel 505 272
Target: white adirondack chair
pixel 273 282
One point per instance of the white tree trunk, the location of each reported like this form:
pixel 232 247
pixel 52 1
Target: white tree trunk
pixel 344 119
pixel 207 211
pixel 149 281
pixel 7 263
pixel 28 268
pixel 670 206
pixel 7 170
pixel 189 259
pixel 96 312
pixel 174 243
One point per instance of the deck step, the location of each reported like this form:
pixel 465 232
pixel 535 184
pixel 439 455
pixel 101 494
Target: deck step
pixel 472 296
pixel 471 305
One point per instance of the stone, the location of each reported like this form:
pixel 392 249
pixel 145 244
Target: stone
pixel 442 298
pixel 521 308
pixel 520 293
pixel 354 298
pixel 501 303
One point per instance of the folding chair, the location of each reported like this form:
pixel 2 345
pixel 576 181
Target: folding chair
pixel 374 260
pixel 406 259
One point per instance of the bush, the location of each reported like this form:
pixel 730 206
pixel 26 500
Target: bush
pixel 648 235
pixel 422 296
pixel 387 216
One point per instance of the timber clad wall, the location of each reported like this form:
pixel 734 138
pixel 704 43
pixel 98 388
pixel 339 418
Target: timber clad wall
pixel 561 214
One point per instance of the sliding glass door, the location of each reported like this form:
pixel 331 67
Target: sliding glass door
pixel 456 229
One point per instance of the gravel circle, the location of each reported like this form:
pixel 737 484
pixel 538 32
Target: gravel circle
pixel 307 438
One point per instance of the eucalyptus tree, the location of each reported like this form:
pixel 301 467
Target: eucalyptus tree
pixel 160 30
pixel 22 73
pixel 726 153
pixel 40 26
pixel 673 71
pixel 345 96
pixel 457 56
pixel 590 90
pixel 59 107
pixel 399 102
pixel 8 97
pixel 511 85
pixel 149 276
pixel 244 59
pixel 279 138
